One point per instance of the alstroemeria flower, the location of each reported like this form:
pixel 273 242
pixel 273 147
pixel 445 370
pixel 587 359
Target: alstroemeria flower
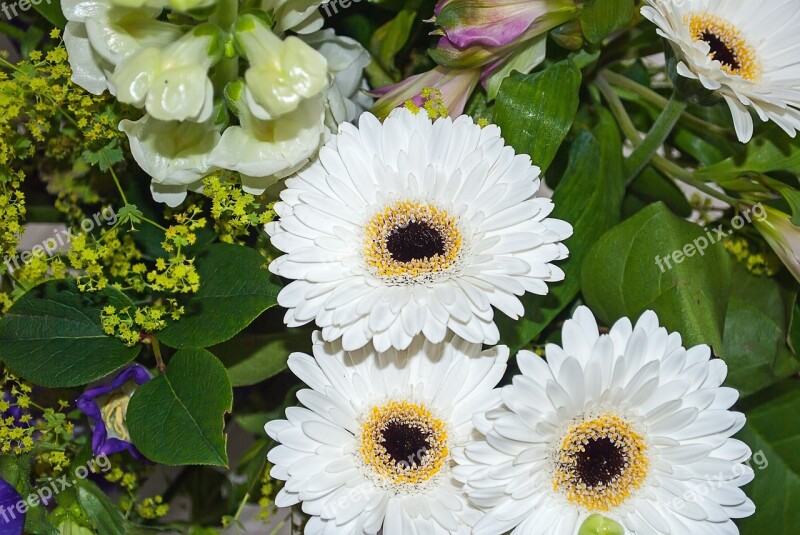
pixel 107 405
pixel 100 34
pixel 481 32
pixel 172 83
pixel 12 521
pixel 283 72
pixel 176 155
pixel 455 86
pixel 264 151
pixel 783 236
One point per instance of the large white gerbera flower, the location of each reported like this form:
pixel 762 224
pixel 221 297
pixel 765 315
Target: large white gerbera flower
pixel 372 448
pixel 746 51
pixel 628 425
pixel 412 227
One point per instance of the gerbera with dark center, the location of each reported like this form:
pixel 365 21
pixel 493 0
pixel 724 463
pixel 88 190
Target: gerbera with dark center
pixel 373 449
pixel 744 51
pixel 414 227
pixel 627 429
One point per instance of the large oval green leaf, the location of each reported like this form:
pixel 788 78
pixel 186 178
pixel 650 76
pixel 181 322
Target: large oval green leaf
pixel 178 418
pixel 622 276
pixel 536 111
pixel 235 289
pixel 52 336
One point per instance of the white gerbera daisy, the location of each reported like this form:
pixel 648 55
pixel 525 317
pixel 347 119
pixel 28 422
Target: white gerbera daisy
pixel 746 51
pixel 412 227
pixel 628 425
pixel 372 448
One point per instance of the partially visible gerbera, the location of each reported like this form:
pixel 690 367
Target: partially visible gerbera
pixel 628 425
pixel 414 226
pixel 745 51
pixel 372 450
pixel 107 405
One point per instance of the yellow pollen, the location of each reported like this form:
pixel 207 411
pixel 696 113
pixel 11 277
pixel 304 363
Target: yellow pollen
pixel 601 461
pixel 403 443
pixel 728 45
pixel 434 249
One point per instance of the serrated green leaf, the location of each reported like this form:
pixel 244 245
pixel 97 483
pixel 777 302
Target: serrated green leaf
pixel 234 290
pixel 52 336
pixel 178 418
pixel 763 155
pixel 621 276
pixel 535 111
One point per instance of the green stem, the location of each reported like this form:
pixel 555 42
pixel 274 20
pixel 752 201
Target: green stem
pixel 655 139
pixel 669 168
pixel 648 95
pixel 116 180
pixel 153 223
pixel 279 527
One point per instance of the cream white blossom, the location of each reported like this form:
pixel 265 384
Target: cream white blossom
pixel 744 51
pixel 175 154
pixel 629 425
pixel 413 227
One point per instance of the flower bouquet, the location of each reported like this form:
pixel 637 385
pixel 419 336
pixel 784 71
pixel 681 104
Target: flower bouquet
pixel 399 267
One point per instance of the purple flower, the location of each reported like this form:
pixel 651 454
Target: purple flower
pixel 476 33
pixel 11 520
pixel 107 405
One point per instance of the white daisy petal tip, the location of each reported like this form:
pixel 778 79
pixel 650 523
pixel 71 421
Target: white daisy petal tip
pixel 415 228
pixel 378 433
pixel 737 52
pixel 620 431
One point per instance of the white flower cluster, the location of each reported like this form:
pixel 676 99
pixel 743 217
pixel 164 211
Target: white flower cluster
pixel 402 239
pixel 201 112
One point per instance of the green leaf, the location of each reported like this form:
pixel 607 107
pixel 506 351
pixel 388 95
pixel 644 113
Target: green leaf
pixel 105 516
pixel 178 418
pixel 52 336
pixel 600 18
pixel 253 359
pixel 234 290
pixel 775 442
pixel 621 275
pixel 535 111
pixel 591 210
pixel 651 186
pixel 754 340
pixel 764 155
pixel 51 10
pixel 389 40
pixel 106 157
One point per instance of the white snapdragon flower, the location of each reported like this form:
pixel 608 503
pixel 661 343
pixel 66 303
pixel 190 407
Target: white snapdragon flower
pixel 175 154
pixel 264 151
pixel 347 59
pixel 172 83
pixel 282 73
pixel 299 16
pixel 100 34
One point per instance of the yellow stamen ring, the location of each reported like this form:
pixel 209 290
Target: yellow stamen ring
pixel 600 462
pixel 728 45
pixel 408 240
pixel 403 443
